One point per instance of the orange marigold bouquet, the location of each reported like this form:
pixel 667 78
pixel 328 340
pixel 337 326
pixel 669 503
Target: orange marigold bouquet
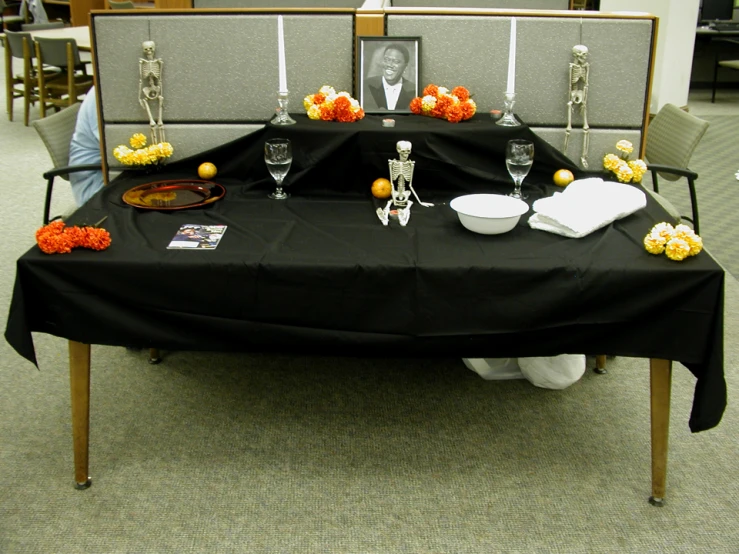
pixel 329 105
pixel 57 238
pixel 454 106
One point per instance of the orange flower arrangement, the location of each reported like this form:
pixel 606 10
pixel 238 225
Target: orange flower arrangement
pixel 454 106
pixel 329 105
pixel 57 238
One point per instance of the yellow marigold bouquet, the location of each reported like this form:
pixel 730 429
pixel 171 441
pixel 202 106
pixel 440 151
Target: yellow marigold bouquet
pixel 677 243
pixel 454 106
pixel 626 171
pixel 329 105
pixel 140 153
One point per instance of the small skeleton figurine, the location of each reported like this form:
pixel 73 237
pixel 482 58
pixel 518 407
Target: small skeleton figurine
pixel 150 89
pixel 579 74
pixel 401 176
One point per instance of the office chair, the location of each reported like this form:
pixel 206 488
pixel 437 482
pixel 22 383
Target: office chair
pixel 672 137
pixel 61 53
pixel 56 133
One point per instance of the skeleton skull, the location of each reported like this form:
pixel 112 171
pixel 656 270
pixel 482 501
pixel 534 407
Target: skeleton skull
pixel 580 53
pixel 404 149
pixel 149 48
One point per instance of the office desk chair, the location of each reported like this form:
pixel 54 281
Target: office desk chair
pixel 672 137
pixel 56 133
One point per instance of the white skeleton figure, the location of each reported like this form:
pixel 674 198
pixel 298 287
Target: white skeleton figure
pixel 578 98
pixel 150 89
pixel 401 175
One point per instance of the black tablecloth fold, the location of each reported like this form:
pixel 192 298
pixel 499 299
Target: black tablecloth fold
pixel 318 273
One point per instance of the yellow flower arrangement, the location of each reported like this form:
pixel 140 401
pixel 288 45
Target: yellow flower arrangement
pixel 329 105
pixel 140 153
pixel 677 243
pixel 626 171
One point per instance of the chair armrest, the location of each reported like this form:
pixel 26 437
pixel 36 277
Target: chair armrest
pixel 71 169
pixel 674 170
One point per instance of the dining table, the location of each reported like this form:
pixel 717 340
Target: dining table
pixel 80 34
pixel 319 272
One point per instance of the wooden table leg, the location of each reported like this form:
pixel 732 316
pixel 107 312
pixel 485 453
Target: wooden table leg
pixel 79 381
pixel 600 364
pixel 660 384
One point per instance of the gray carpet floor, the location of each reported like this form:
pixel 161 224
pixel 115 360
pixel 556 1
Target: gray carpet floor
pixel 218 453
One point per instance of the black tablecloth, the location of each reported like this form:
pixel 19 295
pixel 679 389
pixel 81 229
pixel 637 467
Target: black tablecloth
pixel 318 273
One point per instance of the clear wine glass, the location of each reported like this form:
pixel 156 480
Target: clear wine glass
pixel 278 155
pixel 519 156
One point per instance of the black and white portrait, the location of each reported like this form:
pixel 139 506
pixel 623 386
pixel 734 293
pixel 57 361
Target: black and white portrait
pixel 388 73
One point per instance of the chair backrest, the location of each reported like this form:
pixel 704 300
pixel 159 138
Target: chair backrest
pixel 121 5
pixel 672 137
pixel 42 26
pixel 56 132
pixel 53 51
pixel 15 43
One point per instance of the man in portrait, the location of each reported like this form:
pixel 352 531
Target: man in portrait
pixel 389 90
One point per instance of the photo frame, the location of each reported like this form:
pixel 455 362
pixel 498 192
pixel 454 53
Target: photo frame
pixel 385 77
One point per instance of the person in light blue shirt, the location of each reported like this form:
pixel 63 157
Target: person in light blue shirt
pixel 85 149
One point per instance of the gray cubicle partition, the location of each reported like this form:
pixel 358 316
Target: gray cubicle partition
pixel 220 75
pixel 472 50
pixel 220 68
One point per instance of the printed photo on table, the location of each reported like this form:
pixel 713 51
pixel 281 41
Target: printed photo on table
pixel 388 73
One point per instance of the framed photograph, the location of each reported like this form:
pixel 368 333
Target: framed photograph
pixel 388 73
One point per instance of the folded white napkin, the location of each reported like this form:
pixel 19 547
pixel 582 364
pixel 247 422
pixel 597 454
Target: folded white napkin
pixel 585 206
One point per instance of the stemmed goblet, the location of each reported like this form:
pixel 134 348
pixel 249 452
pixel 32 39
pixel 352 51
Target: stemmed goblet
pixel 519 156
pixel 278 155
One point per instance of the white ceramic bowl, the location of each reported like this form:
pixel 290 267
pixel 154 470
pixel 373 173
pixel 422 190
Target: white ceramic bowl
pixel 489 214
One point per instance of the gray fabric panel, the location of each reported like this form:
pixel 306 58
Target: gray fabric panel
pixel 187 140
pixel 197 4
pixel 512 4
pixel 221 68
pixel 602 142
pixel 619 60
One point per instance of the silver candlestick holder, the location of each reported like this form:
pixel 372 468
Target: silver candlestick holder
pixel 282 117
pixel 508 119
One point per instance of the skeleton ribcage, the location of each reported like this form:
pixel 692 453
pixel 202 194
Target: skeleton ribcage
pixel 578 73
pixel 151 68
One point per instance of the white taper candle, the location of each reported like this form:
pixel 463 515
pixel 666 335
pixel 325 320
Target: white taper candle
pixel 511 88
pixel 281 54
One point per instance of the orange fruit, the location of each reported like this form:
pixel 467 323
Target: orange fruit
pixel 563 177
pixel 207 170
pixel 382 188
